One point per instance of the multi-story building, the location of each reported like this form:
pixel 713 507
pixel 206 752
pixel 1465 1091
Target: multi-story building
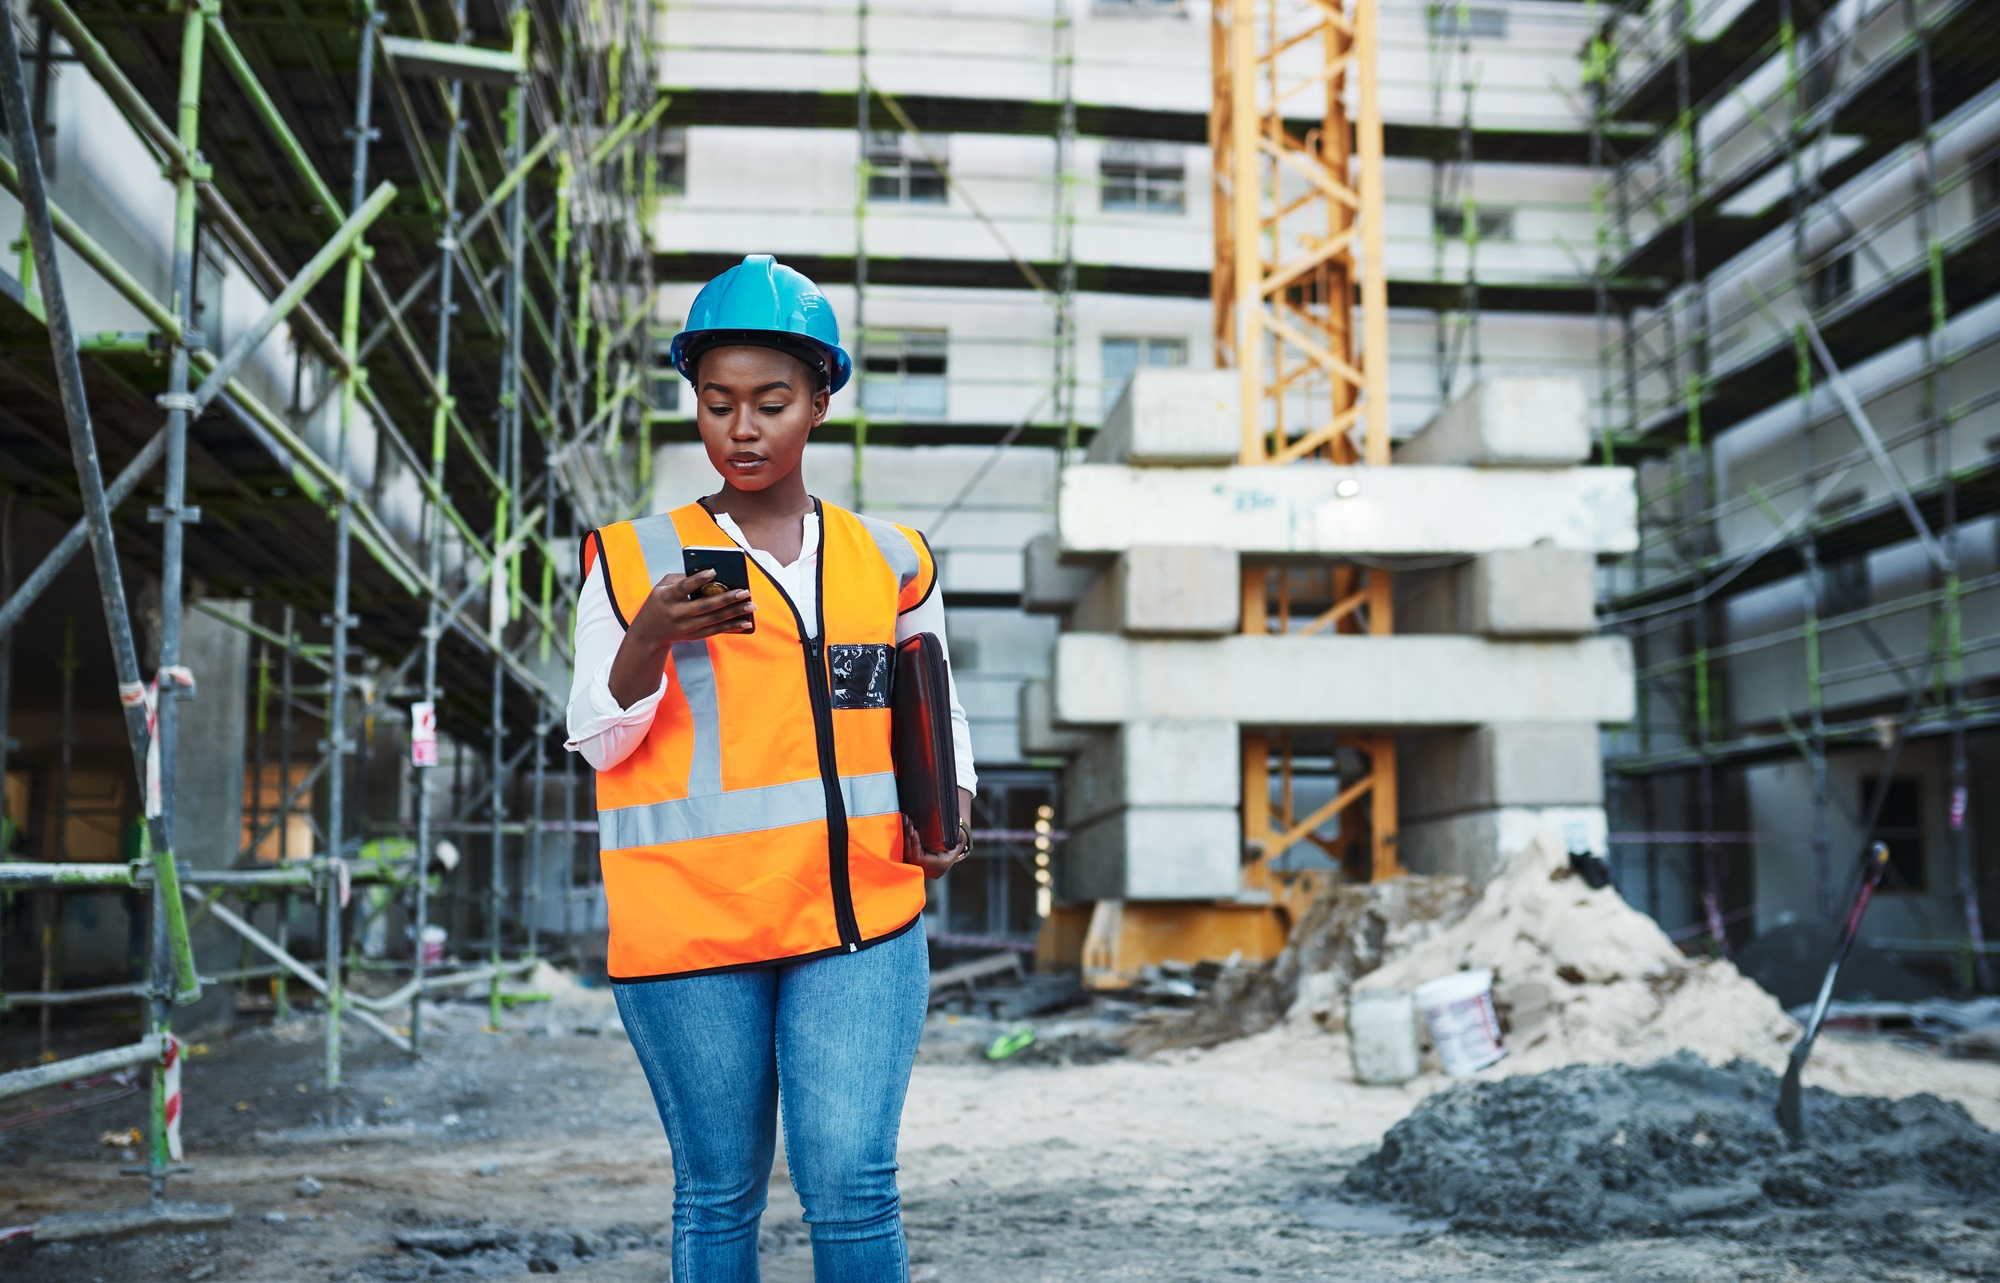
pixel 1804 210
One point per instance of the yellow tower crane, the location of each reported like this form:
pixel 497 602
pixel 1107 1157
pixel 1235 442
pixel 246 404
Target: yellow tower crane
pixel 1302 313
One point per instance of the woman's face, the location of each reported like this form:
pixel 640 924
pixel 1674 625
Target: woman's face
pixel 755 407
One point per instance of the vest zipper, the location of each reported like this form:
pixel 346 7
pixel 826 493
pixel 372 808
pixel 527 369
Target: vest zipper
pixel 821 697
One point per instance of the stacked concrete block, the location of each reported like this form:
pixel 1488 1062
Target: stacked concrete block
pixel 1048 584
pixel 1506 422
pixel 1040 735
pixel 1152 812
pixel 1172 418
pixel 1522 592
pixel 1471 798
pixel 1164 592
pixel 1492 677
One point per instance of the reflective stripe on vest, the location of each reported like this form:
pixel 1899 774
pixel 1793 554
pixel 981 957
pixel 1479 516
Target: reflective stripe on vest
pixel 757 821
pixel 774 806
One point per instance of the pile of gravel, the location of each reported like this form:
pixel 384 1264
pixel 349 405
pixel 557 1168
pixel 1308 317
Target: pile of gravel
pixel 1677 1146
pixel 441 1246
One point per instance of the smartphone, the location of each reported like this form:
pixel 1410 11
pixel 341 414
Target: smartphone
pixel 731 567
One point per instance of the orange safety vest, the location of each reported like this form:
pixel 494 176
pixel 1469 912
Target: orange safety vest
pixel 757 822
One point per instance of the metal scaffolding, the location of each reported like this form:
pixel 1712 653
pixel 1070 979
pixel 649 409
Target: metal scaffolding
pixel 1786 246
pixel 487 265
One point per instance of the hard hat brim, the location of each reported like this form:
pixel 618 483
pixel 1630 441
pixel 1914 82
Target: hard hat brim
pixel 833 364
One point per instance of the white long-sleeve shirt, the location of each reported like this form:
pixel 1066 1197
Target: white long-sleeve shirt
pixel 606 734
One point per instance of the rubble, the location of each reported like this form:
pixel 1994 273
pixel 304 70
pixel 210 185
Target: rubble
pixel 1345 934
pixel 1681 1147
pixel 432 1247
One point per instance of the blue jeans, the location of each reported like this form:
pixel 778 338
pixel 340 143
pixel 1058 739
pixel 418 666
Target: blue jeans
pixel 833 1041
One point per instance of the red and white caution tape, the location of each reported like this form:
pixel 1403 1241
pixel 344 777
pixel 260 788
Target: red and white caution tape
pixel 170 1064
pixel 137 694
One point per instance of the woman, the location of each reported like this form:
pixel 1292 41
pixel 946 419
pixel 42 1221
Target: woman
pixel 766 897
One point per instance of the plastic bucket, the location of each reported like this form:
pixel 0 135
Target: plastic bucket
pixel 433 945
pixel 1463 1024
pixel 1382 1036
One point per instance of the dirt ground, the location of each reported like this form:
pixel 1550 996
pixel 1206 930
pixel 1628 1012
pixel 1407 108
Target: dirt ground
pixel 536 1150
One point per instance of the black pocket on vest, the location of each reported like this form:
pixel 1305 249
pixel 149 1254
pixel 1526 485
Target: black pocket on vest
pixel 861 675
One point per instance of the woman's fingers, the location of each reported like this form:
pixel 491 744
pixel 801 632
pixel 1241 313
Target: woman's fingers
pixel 728 606
pixel 683 585
pixel 935 864
pixel 717 630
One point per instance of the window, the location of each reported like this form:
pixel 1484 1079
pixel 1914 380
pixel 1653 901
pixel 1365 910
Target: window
pixel 1124 355
pixel 1844 587
pixel 665 379
pixel 208 319
pixel 1143 177
pixel 666 390
pixel 1140 8
pixel 1491 224
pixel 1451 20
pixel 1986 188
pixel 1830 282
pixel 902 373
pixel 673 176
pixel 1902 826
pixel 1816 66
pixel 899 168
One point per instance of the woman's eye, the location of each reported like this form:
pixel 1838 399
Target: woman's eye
pixel 773 409
pixel 718 409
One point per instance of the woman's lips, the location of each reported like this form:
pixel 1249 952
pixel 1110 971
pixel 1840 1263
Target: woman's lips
pixel 746 462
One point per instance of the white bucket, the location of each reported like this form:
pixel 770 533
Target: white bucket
pixel 1382 1036
pixel 1464 1026
pixel 433 945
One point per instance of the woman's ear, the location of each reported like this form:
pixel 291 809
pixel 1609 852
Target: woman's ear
pixel 822 401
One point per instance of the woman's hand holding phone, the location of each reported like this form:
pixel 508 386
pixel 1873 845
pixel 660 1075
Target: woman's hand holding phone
pixel 675 611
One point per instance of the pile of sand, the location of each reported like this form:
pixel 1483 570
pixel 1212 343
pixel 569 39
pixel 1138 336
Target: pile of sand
pixel 571 1008
pixel 1580 976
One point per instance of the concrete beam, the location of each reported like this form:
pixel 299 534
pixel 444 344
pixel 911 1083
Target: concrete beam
pixel 1508 420
pixel 1479 844
pixel 1322 509
pixel 1513 764
pixel 1345 680
pixel 1521 592
pixel 1154 763
pixel 1172 418
pixel 1049 586
pixel 1155 853
pixel 1040 735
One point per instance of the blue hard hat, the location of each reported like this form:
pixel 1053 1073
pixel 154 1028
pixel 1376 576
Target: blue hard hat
pixel 762 303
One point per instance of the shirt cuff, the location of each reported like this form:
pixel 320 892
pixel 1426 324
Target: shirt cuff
pixel 601 711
